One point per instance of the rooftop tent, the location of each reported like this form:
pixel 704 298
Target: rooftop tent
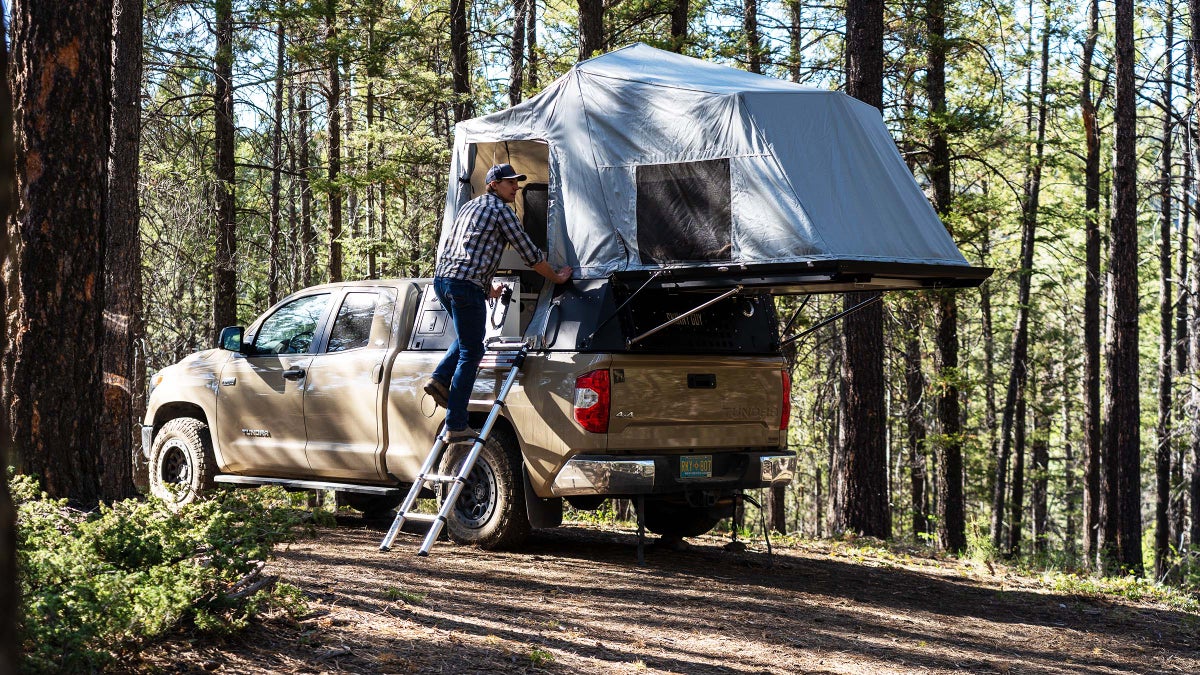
pixel 643 160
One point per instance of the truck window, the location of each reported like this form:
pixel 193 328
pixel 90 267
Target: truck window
pixel 361 315
pixel 291 328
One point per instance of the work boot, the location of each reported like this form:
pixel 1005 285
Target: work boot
pixel 439 392
pixel 465 435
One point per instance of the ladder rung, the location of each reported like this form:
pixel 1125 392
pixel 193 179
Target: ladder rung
pixel 421 517
pixel 440 478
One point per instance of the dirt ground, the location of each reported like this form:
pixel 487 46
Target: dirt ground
pixel 574 600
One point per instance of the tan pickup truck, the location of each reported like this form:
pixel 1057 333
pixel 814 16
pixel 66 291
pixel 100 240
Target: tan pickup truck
pixel 681 398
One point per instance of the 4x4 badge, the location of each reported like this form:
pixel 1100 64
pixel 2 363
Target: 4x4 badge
pixel 622 413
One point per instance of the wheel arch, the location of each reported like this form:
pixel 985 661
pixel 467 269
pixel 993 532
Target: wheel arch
pixel 176 409
pixel 542 512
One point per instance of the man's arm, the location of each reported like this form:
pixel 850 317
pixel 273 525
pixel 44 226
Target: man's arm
pixel 559 277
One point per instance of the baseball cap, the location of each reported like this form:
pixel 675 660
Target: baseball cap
pixel 502 172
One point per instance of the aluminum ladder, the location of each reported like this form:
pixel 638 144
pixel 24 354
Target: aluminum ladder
pixel 428 476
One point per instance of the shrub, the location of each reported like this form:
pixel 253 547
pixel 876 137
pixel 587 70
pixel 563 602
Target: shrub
pixel 97 584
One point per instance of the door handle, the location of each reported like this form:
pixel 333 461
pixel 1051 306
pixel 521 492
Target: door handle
pixel 293 374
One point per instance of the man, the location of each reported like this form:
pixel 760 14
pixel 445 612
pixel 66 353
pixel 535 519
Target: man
pixel 463 282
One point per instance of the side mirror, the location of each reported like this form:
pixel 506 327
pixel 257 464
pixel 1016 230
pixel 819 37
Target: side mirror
pixel 231 338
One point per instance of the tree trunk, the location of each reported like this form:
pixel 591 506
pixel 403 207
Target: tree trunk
pixel 1166 312
pixel 1182 327
pixel 517 53
pixel 1121 548
pixel 914 389
pixel 333 103
pixel 531 41
pixel 1017 504
pixel 225 265
pixel 753 45
pixel 1040 447
pixel 795 41
pixel 274 258
pixel 952 525
pixel 591 28
pixel 679 25
pixel 60 74
pixel 460 68
pixel 10 600
pixel 307 235
pixel 1015 394
pixel 1194 285
pixel 1069 468
pixel 372 186
pixel 858 485
pixel 1091 300
pixel 124 328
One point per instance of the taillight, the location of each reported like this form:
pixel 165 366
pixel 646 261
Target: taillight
pixel 786 415
pixel 591 401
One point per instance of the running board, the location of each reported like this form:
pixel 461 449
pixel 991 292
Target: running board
pixel 379 490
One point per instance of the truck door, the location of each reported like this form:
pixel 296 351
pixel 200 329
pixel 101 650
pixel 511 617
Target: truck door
pixel 260 411
pixel 343 390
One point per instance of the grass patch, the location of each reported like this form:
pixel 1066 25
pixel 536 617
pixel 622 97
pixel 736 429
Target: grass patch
pixel 98 585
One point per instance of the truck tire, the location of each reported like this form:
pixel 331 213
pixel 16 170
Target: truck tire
pixel 373 507
pixel 490 510
pixel 681 520
pixel 181 462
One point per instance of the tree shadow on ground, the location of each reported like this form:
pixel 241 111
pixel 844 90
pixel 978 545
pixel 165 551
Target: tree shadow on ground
pixel 585 582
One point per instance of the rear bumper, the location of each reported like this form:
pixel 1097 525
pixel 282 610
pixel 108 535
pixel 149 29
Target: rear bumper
pixel 622 475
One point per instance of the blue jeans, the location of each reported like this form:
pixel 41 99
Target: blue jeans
pixel 466 304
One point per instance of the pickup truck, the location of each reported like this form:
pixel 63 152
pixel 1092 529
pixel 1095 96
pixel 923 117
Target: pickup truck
pixel 324 391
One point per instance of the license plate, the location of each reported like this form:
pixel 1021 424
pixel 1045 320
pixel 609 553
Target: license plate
pixel 695 466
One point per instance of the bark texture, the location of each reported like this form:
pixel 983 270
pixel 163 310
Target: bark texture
pixel 60 75
pixel 1091 299
pixel 124 327
pixel 1121 548
pixel 952 532
pixel 858 486
pixel 225 265
pixel 333 103
pixel 591 28
pixel 1166 313
pixel 460 61
pixel 10 599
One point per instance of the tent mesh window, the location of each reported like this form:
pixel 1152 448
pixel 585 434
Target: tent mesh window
pixel 684 212
pixel 739 325
pixel 535 199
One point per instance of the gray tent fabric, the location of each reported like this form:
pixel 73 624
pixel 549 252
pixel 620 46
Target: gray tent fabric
pixel 655 160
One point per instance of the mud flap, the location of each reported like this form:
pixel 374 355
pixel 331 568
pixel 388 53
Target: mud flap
pixel 541 512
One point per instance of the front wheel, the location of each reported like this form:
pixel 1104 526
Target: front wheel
pixel 490 510
pixel 181 462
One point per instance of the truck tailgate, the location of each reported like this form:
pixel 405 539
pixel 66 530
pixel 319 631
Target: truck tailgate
pixel 694 402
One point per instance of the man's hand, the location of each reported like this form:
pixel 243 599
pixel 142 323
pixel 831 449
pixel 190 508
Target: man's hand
pixel 496 291
pixel 560 276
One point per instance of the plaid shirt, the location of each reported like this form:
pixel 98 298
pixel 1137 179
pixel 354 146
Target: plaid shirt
pixel 481 230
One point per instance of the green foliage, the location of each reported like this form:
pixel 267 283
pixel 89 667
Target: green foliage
pixel 540 657
pixel 95 585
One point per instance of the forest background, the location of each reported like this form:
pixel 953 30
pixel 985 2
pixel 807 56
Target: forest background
pixel 1052 415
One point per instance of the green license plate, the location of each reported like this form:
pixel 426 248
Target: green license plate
pixel 695 466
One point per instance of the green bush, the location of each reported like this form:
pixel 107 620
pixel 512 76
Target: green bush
pixel 95 585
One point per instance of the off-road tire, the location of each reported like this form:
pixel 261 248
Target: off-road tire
pixel 181 462
pixel 490 511
pixel 373 507
pixel 680 520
